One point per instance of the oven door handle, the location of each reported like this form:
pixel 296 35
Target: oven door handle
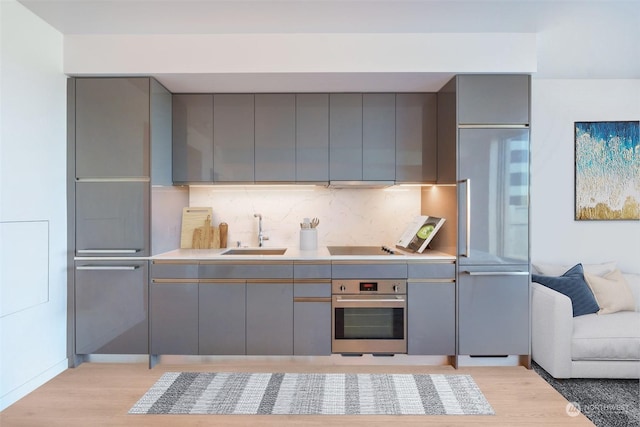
pixel 369 301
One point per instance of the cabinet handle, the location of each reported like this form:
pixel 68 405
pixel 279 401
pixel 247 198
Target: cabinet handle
pixel 312 299
pixel 497 273
pixel 108 267
pixel 467 249
pixel 108 251
pixel 493 126
pixel 116 179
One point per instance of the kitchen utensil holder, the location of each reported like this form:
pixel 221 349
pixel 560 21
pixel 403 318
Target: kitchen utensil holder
pixel 308 239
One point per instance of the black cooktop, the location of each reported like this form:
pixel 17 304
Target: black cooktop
pixel 361 250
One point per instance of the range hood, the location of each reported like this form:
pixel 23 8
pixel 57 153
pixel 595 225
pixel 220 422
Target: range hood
pixel 360 184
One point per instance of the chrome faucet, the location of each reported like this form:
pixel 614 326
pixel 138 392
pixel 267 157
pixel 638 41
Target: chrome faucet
pixel 261 236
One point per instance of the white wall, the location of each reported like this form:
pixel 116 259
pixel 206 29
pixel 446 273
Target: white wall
pixel 32 203
pixel 556 237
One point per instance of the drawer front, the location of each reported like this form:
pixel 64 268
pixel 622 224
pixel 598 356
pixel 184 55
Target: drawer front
pixel 432 271
pixel 368 271
pixel 271 270
pixel 312 289
pixel 161 270
pixel 312 270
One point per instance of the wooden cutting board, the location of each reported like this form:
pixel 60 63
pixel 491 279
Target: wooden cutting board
pixel 206 236
pixel 192 218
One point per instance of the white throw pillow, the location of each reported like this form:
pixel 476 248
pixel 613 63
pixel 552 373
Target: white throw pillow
pixel 559 269
pixel 612 292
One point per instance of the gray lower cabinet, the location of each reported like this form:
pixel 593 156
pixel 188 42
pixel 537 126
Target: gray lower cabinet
pixel 222 317
pixel 112 216
pixel 174 317
pixel 192 138
pixel 431 321
pixel 312 137
pixel 269 318
pixel 493 307
pixel 233 137
pixel 378 137
pixel 111 307
pixel 112 127
pixel 416 137
pixel 275 137
pixel 312 317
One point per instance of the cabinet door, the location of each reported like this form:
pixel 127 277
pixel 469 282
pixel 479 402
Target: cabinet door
pixel 112 127
pixel 312 137
pixel 378 137
pixel 493 224
pixel 174 318
pixel 275 127
pixel 161 138
pixel 312 318
pixel 431 318
pixel 192 138
pixel 233 137
pixel 222 318
pixel 111 312
pixel 493 312
pixel 345 137
pixel 493 99
pixel 269 318
pixel 112 216
pixel 416 137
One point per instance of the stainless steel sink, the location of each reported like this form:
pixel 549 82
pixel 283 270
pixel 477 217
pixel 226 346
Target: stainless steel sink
pixel 255 251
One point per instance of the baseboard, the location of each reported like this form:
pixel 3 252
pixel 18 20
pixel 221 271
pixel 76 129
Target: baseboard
pixel 21 391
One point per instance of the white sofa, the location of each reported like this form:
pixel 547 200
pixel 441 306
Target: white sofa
pixel 588 346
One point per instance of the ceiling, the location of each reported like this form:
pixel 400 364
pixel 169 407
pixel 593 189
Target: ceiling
pixel 555 19
pixel 290 16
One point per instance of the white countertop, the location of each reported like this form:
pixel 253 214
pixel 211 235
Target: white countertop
pixel 295 254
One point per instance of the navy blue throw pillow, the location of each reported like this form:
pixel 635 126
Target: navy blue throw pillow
pixel 573 285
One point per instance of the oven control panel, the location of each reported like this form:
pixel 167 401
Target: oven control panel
pixel 369 286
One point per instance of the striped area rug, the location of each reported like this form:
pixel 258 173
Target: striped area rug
pixel 331 394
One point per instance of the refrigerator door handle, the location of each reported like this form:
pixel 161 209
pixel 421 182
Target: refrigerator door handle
pixel 467 249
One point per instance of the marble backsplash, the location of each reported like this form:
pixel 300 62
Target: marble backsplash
pixel 347 216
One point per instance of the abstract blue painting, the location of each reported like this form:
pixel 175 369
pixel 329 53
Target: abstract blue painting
pixel 607 170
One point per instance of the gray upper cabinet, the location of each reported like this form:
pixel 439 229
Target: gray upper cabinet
pixel 416 137
pixel 233 137
pixel 275 137
pixel 312 137
pixel 493 99
pixel 112 127
pixel 192 138
pixel 378 137
pixel 112 217
pixel 161 117
pixel 345 137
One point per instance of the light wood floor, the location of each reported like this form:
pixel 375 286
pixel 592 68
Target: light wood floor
pixel 100 394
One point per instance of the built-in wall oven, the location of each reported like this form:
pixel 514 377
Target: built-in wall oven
pixel 369 316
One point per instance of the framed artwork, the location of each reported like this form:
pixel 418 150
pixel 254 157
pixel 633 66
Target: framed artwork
pixel 607 170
